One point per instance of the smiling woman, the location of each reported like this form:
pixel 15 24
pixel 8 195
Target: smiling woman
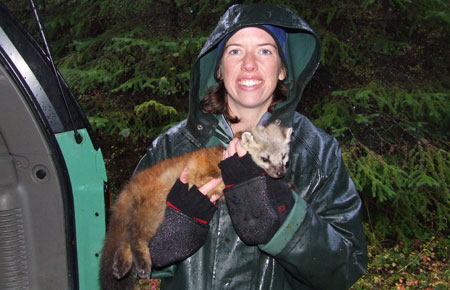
pixel 252 71
pixel 249 62
pixel 250 68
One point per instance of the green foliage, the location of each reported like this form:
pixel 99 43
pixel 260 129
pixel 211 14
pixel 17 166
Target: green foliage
pixel 373 174
pixel 133 66
pixel 155 116
pixel 130 64
pixel 390 114
pixel 119 61
pixel 396 148
pixel 367 40
pixel 146 121
pixel 406 196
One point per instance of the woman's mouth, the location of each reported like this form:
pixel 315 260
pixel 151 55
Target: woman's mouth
pixel 250 83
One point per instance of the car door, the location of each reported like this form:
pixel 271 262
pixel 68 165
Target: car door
pixel 52 173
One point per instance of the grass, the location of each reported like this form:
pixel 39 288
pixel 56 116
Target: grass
pixel 419 265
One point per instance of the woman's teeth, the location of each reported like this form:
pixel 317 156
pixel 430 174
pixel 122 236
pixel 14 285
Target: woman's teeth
pixel 249 83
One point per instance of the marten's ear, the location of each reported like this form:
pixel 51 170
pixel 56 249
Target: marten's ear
pixel 247 140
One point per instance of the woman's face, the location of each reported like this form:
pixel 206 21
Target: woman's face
pixel 251 67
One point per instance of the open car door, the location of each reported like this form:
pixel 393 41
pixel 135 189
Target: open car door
pixel 52 173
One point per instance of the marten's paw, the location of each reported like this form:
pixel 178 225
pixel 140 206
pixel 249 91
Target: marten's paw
pixel 123 261
pixel 141 259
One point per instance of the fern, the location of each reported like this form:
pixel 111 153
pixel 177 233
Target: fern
pixel 83 81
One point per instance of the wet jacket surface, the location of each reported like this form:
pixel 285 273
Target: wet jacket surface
pixel 321 244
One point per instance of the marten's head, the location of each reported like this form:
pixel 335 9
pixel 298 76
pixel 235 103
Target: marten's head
pixel 269 148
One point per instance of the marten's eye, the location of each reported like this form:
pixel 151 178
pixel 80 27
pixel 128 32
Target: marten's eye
pixel 264 159
pixel 284 158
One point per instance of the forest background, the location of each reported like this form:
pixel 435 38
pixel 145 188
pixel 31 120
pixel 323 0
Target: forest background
pixel 382 90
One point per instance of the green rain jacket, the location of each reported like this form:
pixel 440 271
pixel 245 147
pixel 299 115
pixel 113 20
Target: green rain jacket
pixel 321 243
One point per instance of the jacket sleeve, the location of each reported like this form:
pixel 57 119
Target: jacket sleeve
pixel 321 242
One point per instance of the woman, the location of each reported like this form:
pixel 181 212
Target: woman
pixel 252 70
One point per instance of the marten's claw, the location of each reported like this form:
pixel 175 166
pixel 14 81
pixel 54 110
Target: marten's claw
pixel 143 265
pixel 143 273
pixel 141 259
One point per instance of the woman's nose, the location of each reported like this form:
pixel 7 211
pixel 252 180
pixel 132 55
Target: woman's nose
pixel 249 63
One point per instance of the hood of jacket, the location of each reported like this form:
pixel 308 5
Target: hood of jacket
pixel 302 57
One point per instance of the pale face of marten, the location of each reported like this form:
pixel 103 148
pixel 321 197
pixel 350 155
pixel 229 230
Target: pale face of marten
pixel 269 148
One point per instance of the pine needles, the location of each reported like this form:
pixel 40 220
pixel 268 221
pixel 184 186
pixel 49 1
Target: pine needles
pixel 396 148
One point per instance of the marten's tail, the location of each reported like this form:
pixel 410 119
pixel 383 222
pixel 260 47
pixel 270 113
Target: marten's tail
pixel 115 270
pixel 107 279
pixel 116 261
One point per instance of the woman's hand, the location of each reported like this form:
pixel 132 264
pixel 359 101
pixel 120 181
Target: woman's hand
pixel 206 188
pixel 237 165
pixel 234 147
pixel 257 205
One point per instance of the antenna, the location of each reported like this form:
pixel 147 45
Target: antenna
pixel 78 137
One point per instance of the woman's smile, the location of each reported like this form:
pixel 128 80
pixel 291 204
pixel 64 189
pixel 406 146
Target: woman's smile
pixel 250 83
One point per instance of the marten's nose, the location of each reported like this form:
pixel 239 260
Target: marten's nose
pixel 279 171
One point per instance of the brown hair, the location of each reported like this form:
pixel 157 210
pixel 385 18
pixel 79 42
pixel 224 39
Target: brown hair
pixel 215 101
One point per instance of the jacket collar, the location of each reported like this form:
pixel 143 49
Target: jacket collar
pixel 218 132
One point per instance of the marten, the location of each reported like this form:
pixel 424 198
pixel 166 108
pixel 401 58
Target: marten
pixel 140 208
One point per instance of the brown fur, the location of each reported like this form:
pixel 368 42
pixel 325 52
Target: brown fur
pixel 140 207
pixel 145 201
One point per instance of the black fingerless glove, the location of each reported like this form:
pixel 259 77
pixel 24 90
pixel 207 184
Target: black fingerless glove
pixel 178 237
pixel 185 226
pixel 258 207
pixel 238 169
pixel 191 202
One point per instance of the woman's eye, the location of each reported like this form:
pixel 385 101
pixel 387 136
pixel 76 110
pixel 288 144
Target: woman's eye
pixel 265 51
pixel 234 51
